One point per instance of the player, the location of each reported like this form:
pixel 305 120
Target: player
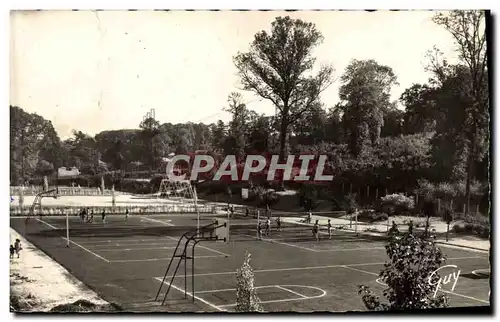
pixel 278 223
pixel 259 231
pixel 246 212
pixel 410 227
pixel 316 230
pixel 329 227
pixel 12 251
pixel 309 217
pixel 17 247
pixel 126 215
pixel 268 226
pixel 103 216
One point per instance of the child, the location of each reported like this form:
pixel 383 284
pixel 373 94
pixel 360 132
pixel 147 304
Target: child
pixel 259 231
pixel 126 215
pixel 103 216
pixel 12 251
pixel 268 226
pixel 278 223
pixel 316 230
pixel 329 227
pixel 17 247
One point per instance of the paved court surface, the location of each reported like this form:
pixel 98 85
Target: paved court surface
pixel 125 262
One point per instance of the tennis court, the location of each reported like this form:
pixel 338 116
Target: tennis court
pixel 125 261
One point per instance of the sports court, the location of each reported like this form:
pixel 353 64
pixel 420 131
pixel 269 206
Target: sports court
pixel 125 262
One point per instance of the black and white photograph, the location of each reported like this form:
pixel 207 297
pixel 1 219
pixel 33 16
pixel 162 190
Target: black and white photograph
pixel 250 161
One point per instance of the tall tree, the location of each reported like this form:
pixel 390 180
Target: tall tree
pixel 239 122
pixel 420 109
pixel 468 29
pixel 278 67
pixel 365 92
pixel 150 129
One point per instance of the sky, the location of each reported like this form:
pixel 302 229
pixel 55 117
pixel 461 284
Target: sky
pixel 95 71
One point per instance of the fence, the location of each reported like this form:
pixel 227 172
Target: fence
pixel 63 191
pixel 55 211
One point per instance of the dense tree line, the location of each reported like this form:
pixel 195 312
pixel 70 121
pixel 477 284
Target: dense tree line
pixel 438 131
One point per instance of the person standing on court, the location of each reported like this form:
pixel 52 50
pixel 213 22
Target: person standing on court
pixel 410 227
pixel 126 214
pixel 316 230
pixel 103 216
pixel 268 226
pixel 278 223
pixel 329 227
pixel 17 247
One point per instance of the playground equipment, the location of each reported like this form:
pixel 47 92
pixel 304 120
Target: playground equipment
pixel 216 231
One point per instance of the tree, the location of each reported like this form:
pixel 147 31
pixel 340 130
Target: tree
pixel 420 112
pixel 365 93
pixel 412 260
pixel 150 129
pixel 468 28
pixel 278 68
pixel 246 296
pixel 239 122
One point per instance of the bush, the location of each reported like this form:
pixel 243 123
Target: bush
pixel 308 197
pixel 372 216
pixel 246 296
pixel 477 229
pixel 412 259
pixel 397 203
pixel 458 228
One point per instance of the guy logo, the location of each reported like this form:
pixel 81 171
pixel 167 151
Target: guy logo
pixel 446 279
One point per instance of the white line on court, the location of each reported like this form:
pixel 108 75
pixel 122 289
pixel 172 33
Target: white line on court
pixel 157 221
pixel 99 246
pixel 125 240
pixel 132 249
pixel 349 249
pixel 311 267
pixel 281 243
pixel 190 294
pixel 229 289
pixel 359 270
pixel 76 244
pixel 201 246
pixel 477 272
pixel 444 291
pixel 156 259
pixel 323 293
pixel 293 292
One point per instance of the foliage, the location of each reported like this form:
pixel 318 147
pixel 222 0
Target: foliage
pixel 412 259
pixel 264 197
pixel 246 296
pixel 277 68
pixel 308 197
pixel 365 89
pixel 372 216
pixel 397 203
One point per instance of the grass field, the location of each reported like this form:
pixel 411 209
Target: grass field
pixel 125 262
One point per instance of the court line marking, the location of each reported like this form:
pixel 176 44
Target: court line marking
pixel 311 267
pixel 111 246
pixel 477 271
pixel 191 294
pixel 132 249
pixel 281 243
pixel 349 249
pixel 378 280
pixel 201 246
pixel 156 259
pixel 157 221
pixel 302 298
pixel 293 292
pixel 225 289
pixel 125 240
pixel 76 244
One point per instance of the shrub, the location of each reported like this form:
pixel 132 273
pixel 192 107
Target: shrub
pixel 246 296
pixel 397 203
pixel 457 228
pixel 412 259
pixel 372 216
pixel 308 197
